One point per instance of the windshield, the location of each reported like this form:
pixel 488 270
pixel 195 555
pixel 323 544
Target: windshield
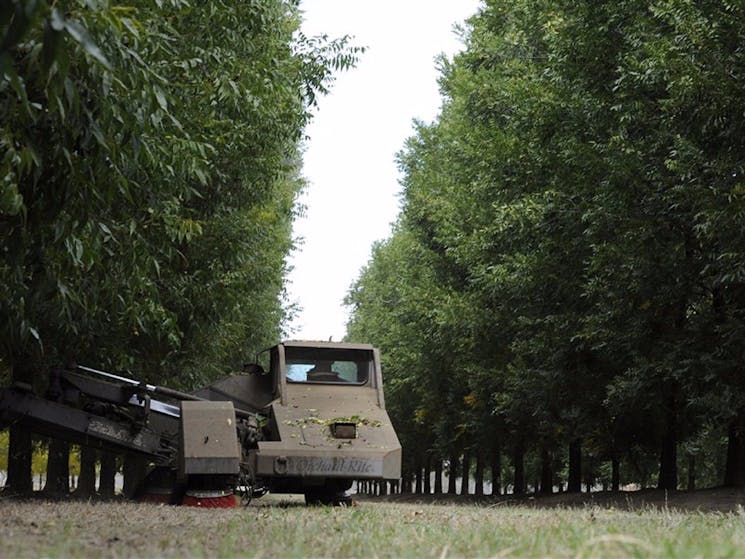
pixel 324 365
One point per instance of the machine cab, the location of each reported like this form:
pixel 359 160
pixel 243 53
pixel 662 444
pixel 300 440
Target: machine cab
pixel 327 424
pixel 317 367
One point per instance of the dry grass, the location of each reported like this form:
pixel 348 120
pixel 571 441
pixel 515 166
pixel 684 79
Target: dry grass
pixel 275 527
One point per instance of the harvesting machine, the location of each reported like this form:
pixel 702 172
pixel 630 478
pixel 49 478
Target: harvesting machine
pixel 309 419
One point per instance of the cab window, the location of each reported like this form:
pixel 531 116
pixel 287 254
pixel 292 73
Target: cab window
pixel 324 365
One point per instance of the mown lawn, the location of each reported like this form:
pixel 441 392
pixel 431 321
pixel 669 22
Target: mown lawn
pixel 283 528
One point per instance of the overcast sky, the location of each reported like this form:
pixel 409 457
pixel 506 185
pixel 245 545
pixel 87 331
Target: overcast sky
pixel 349 161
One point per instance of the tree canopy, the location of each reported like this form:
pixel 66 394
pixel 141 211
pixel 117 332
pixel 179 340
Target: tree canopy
pixel 150 166
pixel 566 272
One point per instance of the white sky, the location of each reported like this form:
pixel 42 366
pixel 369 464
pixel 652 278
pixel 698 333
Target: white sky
pixel 349 162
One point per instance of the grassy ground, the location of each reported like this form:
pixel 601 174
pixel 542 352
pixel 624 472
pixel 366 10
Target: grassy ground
pixel 275 527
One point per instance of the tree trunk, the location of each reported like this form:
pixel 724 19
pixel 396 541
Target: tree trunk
pixel 20 450
pixel 405 480
pixel 734 473
pixel 590 475
pixel 668 478
pixel 518 457
pixel 438 477
pixel 465 473
pixel 419 479
pixel 20 444
pixel 547 474
pixel 691 472
pixel 496 472
pixel 87 480
pixel 479 476
pixel 58 468
pixel 428 474
pixel 134 473
pixel 452 473
pixel 574 479
pixel 615 474
pixel 107 476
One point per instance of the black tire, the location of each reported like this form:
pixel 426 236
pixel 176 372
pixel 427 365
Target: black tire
pixel 328 499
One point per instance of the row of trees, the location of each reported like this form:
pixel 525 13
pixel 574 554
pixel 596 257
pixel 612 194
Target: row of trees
pixel 563 295
pixel 149 169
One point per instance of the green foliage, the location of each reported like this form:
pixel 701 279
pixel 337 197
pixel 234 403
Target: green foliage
pixel 570 234
pixel 150 167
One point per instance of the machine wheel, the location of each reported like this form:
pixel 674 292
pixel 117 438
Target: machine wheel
pixel 246 485
pixel 326 498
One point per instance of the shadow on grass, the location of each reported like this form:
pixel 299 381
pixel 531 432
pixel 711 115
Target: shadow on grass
pixel 718 499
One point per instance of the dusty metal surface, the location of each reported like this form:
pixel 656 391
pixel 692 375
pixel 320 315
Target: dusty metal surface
pixel 327 425
pixel 61 420
pixel 306 445
pixel 209 443
pixel 312 422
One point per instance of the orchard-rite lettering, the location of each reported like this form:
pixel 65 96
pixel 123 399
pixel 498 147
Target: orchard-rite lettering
pixel 334 465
